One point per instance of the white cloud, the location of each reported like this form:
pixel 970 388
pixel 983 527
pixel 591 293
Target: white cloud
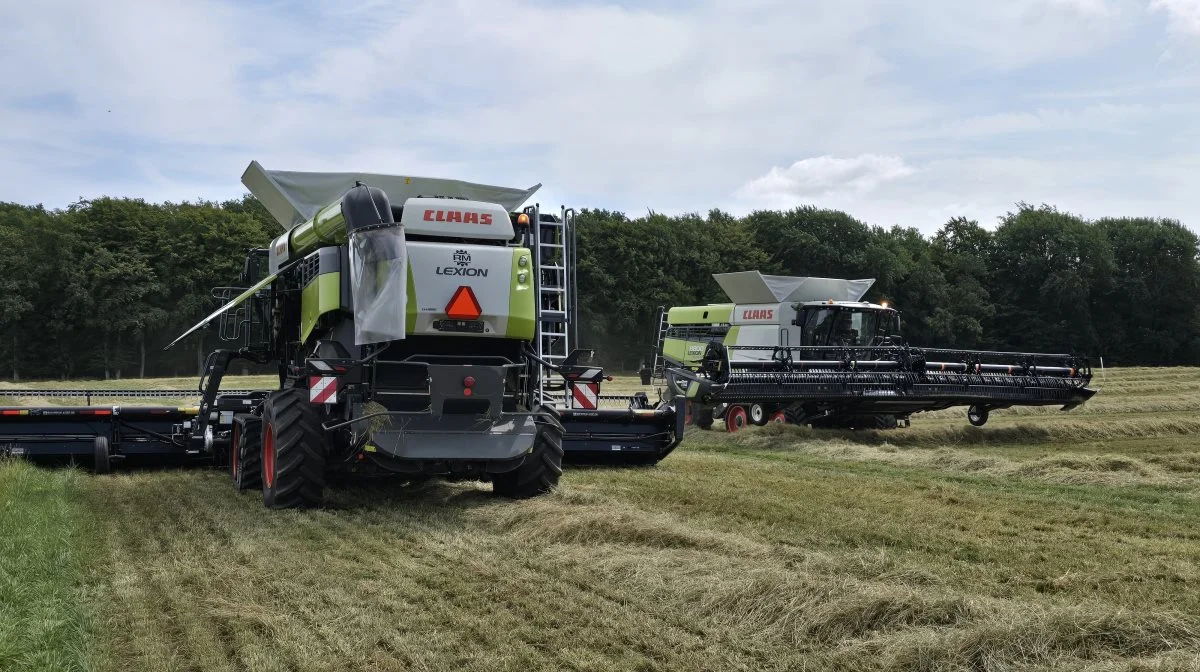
pixel 825 175
pixel 663 105
pixel 1184 15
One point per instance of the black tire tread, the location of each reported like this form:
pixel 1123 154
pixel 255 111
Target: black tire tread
pixel 540 471
pixel 299 451
pixel 249 447
pixel 101 464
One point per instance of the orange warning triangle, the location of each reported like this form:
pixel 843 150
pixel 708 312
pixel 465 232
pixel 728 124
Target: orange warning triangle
pixel 463 305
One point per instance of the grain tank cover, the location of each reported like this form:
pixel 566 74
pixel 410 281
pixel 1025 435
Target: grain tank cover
pixel 293 197
pixel 752 287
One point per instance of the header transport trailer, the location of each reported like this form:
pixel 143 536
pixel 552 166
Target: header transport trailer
pixel 809 350
pixel 419 326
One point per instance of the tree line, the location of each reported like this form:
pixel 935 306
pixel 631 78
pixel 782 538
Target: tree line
pixel 97 289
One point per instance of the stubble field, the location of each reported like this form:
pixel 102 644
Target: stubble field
pixel 1045 540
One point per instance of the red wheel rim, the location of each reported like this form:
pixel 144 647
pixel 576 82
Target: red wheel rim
pixel 233 452
pixel 779 416
pixel 268 458
pixel 735 418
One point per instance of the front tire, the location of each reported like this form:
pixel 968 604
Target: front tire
pixel 735 419
pixel 102 459
pixel 293 451
pixel 542 467
pixel 977 415
pixel 758 415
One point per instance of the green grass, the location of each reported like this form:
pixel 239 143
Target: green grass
pixel 44 621
pixel 1044 541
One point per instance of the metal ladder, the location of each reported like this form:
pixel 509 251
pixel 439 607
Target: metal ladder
pixel 658 376
pixel 554 283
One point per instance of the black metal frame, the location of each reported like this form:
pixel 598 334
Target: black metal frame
pixel 819 381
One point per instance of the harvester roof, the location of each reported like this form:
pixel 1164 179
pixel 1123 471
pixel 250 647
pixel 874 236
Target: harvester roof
pixel 294 197
pixel 750 287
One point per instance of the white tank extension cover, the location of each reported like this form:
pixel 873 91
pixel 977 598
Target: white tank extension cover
pixel 293 197
pixel 748 287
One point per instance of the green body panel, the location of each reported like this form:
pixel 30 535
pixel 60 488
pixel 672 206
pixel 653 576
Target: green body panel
pixel 326 228
pixel 410 305
pixel 717 313
pixel 320 296
pixel 677 350
pixel 691 353
pixel 522 314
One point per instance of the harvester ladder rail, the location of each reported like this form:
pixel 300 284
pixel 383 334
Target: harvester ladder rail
pixel 555 291
pixel 660 363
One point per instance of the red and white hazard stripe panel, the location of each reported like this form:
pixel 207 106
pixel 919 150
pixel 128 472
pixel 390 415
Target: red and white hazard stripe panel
pixel 322 389
pixel 585 395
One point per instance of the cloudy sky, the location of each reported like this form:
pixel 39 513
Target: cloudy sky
pixel 900 113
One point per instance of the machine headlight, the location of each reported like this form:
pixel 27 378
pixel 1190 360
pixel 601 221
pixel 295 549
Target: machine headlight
pixel 523 261
pixel 522 277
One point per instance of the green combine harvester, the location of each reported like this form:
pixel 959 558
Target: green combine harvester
pixel 419 327
pixel 810 351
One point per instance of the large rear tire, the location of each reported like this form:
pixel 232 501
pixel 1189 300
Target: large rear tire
pixel 293 451
pixel 245 452
pixel 540 471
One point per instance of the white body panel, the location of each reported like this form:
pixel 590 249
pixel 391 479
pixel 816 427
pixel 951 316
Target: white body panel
pixel 456 219
pixel 439 269
pixel 763 324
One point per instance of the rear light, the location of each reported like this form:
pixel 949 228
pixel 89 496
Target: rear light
pixel 463 305
pixel 469 381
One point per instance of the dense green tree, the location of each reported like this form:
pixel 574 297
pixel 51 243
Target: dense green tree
pixel 1050 271
pixel 961 249
pixel 1150 313
pixel 98 288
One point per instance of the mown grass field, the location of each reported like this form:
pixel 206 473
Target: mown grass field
pixel 1044 541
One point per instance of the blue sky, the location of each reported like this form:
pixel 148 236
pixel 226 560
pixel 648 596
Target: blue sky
pixel 898 113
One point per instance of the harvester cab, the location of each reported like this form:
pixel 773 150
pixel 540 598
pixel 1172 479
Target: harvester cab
pixel 809 350
pixel 418 326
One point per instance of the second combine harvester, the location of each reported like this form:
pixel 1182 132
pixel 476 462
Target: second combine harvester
pixel 810 351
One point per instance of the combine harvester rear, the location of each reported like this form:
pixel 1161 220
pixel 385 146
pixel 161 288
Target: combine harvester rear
pixel 809 351
pixel 419 326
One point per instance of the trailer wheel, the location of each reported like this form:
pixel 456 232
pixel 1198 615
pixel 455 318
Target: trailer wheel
pixel 245 452
pixel 735 419
pixel 758 415
pixel 977 415
pixel 542 467
pixel 704 416
pixel 102 463
pixel 779 417
pixel 293 451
